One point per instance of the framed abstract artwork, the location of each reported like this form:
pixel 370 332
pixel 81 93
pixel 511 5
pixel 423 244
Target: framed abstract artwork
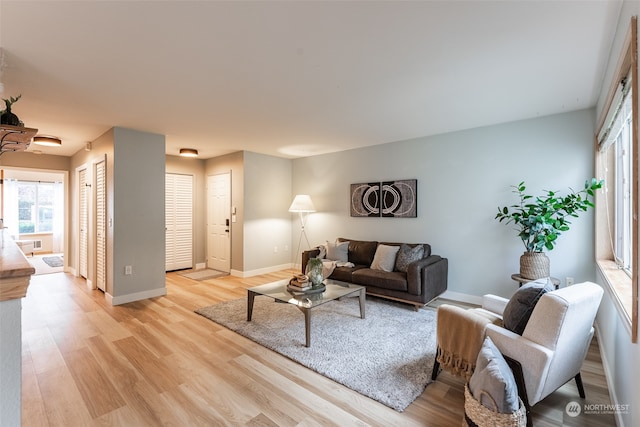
pixel 393 199
pixel 365 199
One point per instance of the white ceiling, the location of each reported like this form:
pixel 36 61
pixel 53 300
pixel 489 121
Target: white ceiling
pixel 294 79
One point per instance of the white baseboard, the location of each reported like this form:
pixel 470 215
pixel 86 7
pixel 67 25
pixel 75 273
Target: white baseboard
pixel 137 296
pixel 459 296
pixel 201 265
pixel 266 270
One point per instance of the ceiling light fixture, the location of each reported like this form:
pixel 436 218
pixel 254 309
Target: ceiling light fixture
pixel 49 141
pixel 188 152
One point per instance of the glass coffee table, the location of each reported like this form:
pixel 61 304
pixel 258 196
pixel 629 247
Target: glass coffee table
pixel 306 302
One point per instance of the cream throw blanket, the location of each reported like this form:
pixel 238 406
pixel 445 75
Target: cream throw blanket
pixel 460 336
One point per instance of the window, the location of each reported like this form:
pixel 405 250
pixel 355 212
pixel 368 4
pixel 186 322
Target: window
pixel 35 207
pixel 615 153
pixel 617 207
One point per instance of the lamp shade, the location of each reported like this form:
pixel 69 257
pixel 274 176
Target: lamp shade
pixel 302 203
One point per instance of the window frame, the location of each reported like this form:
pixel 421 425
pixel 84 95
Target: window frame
pixel 37 206
pixel 624 288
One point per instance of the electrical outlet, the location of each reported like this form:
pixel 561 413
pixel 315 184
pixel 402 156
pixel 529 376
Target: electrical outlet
pixel 286 248
pixel 569 281
pixel 275 249
pixel 128 270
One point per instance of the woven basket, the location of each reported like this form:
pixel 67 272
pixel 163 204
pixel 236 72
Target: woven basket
pixel 534 265
pixel 476 414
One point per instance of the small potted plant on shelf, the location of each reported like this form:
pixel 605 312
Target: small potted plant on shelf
pixel 6 116
pixel 541 220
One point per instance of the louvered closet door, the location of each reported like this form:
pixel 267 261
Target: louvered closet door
pixel 101 227
pixel 83 222
pixel 179 221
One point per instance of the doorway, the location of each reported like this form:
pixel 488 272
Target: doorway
pixel 34 210
pixel 219 222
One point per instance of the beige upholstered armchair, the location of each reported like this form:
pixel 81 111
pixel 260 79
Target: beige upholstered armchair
pixel 554 343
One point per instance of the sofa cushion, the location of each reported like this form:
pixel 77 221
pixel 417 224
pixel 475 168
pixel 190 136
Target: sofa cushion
pixel 493 377
pixel 338 251
pixel 360 252
pixel 392 280
pixel 518 310
pixel 385 258
pixel 407 255
pixel 344 274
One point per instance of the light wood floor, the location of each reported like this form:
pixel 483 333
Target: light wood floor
pixel 156 362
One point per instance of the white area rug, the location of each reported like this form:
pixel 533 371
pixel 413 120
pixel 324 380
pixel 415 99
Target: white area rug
pixel 388 356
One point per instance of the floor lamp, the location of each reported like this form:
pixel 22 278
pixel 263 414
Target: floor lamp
pixel 303 205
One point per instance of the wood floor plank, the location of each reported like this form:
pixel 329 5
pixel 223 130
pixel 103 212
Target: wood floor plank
pixel 160 363
pixel 98 393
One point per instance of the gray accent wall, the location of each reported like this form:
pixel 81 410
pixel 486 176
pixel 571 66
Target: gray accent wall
pixel 462 179
pixel 138 214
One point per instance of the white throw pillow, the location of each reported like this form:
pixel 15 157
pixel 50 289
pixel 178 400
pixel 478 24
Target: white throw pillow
pixel 338 251
pixel 385 258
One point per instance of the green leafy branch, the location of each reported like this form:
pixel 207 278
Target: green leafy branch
pixel 541 220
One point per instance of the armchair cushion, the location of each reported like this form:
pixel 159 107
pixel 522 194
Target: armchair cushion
pixel 492 383
pixel 519 308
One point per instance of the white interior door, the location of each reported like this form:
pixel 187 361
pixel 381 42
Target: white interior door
pixel 219 222
pixel 83 222
pixel 101 226
pixel 178 221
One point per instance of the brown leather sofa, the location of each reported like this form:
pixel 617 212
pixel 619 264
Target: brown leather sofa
pixel 423 280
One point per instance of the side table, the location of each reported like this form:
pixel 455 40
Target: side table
pixel 521 280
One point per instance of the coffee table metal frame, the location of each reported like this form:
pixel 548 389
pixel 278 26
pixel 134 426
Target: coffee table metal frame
pixel 305 303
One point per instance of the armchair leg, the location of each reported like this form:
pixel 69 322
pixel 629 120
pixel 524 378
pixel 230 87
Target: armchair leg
pixel 436 368
pixel 580 386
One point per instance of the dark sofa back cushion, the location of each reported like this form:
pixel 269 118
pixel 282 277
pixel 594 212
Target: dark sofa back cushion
pixel 427 247
pixel 360 252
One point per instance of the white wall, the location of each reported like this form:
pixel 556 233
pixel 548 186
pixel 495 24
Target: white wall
pixel 267 221
pixel 621 358
pixel 462 179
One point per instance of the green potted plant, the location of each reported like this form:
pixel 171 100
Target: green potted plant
pixel 6 116
pixel 541 220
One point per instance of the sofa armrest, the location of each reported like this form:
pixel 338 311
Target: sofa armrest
pixel 428 276
pixel 494 303
pixel 306 256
